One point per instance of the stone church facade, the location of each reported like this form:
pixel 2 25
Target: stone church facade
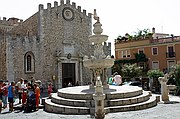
pixel 48 46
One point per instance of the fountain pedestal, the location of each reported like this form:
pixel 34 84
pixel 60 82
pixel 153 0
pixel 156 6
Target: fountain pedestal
pixel 99 97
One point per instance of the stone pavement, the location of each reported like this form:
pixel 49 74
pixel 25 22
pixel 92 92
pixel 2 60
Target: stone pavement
pixel 161 111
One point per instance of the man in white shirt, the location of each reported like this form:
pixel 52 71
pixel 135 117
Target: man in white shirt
pixel 20 86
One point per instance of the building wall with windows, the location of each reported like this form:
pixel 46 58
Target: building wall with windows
pixel 49 46
pixel 162 53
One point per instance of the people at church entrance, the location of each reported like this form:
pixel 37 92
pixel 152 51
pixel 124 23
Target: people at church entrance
pixel 70 84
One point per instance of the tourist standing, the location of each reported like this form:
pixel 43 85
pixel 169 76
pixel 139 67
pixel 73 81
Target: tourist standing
pixel 110 80
pixel 69 84
pixel 11 92
pixel 37 93
pixel 4 95
pixel 117 78
pixel 20 85
pixel 50 89
pixel 24 94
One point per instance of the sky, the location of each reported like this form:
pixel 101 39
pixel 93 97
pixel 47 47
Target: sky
pixel 117 16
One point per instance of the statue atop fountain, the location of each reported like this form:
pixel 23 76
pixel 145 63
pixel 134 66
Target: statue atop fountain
pixel 99 62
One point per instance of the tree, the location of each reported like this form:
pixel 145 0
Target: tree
pixel 131 70
pixel 175 77
pixel 154 74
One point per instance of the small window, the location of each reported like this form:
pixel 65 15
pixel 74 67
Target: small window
pixel 155 64
pixel 128 53
pixel 154 51
pixel 125 53
pixel 29 62
pixel 140 50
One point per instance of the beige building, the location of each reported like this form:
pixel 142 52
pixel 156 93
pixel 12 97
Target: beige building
pixel 48 46
pixel 161 51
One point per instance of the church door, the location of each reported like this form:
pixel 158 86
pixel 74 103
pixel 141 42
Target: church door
pixel 68 74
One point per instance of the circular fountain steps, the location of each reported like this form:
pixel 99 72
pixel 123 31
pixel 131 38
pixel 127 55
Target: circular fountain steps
pixel 79 100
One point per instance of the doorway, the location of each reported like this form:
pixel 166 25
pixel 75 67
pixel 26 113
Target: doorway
pixel 68 74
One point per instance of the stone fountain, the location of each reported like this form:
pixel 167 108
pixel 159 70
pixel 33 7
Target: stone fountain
pixel 99 98
pixel 98 63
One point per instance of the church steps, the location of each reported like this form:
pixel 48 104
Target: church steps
pixel 79 100
pixel 63 109
pixel 138 106
pixel 131 100
pixel 90 103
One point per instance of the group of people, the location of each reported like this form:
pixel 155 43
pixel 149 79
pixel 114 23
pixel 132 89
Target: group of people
pixel 22 89
pixel 115 79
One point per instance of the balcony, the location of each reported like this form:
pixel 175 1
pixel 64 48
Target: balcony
pixel 170 54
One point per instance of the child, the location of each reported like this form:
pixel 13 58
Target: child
pixel 50 89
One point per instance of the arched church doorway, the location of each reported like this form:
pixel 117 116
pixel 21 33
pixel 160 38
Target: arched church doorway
pixel 68 74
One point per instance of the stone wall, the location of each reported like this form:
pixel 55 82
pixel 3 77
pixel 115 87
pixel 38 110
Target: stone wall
pixel 50 38
pixel 3 68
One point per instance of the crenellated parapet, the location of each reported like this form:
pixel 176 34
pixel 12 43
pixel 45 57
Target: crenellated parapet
pixel 8 24
pixel 62 3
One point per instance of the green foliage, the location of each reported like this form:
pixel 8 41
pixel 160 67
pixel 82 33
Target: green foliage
pixel 154 73
pixel 116 68
pixel 175 77
pixel 131 70
pixel 131 61
pixel 140 57
pixel 141 34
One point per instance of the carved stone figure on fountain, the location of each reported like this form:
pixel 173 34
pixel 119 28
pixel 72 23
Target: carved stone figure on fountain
pixel 99 61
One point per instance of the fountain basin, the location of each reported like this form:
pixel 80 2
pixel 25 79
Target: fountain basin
pixel 98 63
pixel 98 38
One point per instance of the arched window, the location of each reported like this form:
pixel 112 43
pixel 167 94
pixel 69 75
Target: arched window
pixel 29 64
